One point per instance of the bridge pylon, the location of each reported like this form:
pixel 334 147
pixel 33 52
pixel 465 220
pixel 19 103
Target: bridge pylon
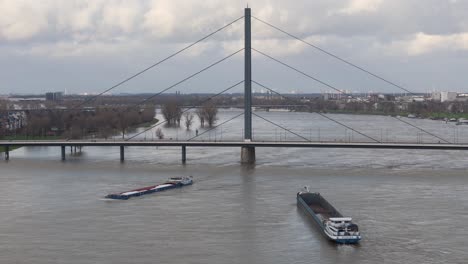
pixel 248 152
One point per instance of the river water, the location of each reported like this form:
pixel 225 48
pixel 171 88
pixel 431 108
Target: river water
pixel 411 205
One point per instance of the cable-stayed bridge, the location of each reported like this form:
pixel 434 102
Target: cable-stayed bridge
pixel 249 143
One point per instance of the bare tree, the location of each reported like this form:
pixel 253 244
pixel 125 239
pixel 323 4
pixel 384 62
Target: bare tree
pixel 159 133
pixel 105 132
pixel 3 105
pixel 123 122
pixel 3 118
pixel 210 112
pixel 38 124
pixel 148 113
pixel 188 120
pixel 201 116
pixel 172 112
pixel 75 132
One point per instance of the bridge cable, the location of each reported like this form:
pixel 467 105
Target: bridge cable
pixel 335 56
pixel 187 109
pixel 275 124
pixel 186 79
pixel 301 72
pixel 340 91
pixel 179 82
pixel 323 115
pixel 230 119
pixel 408 123
pixel 157 63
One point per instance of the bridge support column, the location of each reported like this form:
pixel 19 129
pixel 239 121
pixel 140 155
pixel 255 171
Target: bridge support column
pixel 248 155
pixel 122 154
pixel 7 153
pixel 184 154
pixel 247 152
pixel 63 152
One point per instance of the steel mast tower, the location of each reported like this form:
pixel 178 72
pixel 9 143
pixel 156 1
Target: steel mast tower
pixel 248 152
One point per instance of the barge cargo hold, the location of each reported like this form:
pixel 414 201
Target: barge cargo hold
pixel 176 182
pixel 331 222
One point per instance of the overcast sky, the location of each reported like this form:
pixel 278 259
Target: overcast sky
pixel 88 45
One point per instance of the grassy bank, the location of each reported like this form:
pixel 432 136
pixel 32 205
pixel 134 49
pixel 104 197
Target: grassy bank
pixel 23 137
pixel 132 129
pixel 147 124
pixel 2 149
pixel 448 115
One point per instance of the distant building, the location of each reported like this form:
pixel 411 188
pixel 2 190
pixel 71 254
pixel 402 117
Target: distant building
pixel 436 96
pixel 412 98
pixel 418 98
pixel 55 96
pixel 332 96
pixel 462 97
pixel 449 97
pixel 12 120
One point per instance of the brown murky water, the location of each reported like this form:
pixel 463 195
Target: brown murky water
pixel 411 206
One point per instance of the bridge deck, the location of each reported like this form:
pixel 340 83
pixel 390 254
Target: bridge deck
pixel 290 144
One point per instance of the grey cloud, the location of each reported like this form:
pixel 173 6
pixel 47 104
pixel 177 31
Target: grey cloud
pixel 38 35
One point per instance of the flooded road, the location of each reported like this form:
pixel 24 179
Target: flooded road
pixel 410 205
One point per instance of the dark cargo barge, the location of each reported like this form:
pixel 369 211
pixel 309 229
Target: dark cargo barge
pixel 176 182
pixel 332 223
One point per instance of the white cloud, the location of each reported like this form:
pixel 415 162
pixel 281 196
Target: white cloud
pixel 421 44
pixel 61 30
pixel 22 19
pixel 160 21
pixel 68 49
pixel 75 25
pixel 123 16
pixel 359 6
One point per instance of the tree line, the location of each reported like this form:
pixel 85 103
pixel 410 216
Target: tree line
pixel 173 113
pixel 99 122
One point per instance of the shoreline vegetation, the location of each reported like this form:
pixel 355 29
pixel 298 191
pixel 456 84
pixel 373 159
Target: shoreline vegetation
pixel 78 124
pixel 115 132
pixel 109 116
pixel 25 137
pixel 52 124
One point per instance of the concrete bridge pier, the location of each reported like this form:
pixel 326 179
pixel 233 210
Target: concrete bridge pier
pixel 122 154
pixel 184 154
pixel 63 152
pixel 248 155
pixel 7 153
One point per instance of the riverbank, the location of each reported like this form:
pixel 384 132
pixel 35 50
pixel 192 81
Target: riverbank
pixel 377 113
pixel 433 116
pixel 23 137
pixel 146 124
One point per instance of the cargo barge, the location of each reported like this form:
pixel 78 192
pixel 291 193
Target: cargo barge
pixel 175 182
pixel 331 222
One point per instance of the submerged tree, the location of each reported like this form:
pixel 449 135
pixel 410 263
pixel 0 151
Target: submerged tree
pixel 211 113
pixel 188 120
pixel 201 116
pixel 159 133
pixel 172 112
pixel 208 113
